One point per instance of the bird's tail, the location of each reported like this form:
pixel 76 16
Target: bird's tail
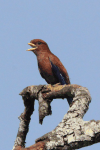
pixel 69 99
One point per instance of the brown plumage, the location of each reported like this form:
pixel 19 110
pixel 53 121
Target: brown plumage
pixel 44 58
pixel 50 67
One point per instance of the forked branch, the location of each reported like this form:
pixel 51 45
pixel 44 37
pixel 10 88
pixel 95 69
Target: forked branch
pixel 72 132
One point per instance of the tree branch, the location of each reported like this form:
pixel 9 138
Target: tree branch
pixel 72 132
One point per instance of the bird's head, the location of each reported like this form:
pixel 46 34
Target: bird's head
pixel 38 46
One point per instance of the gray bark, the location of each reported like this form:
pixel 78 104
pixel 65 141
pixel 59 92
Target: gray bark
pixel 72 132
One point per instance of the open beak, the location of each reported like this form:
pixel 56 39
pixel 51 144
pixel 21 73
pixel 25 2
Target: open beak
pixel 33 47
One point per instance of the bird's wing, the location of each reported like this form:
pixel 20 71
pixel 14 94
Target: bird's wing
pixel 61 73
pixel 59 70
pixel 57 73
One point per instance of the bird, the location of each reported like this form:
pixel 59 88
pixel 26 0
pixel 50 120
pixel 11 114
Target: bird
pixel 49 65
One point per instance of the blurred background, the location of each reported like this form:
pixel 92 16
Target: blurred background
pixel 72 31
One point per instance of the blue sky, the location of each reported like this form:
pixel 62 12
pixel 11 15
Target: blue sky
pixel 72 31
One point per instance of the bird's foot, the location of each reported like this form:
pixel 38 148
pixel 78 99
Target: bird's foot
pixel 56 84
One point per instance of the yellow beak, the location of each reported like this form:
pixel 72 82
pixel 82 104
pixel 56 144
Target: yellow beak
pixel 33 47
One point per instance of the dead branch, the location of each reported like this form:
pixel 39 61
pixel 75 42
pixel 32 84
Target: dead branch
pixel 72 132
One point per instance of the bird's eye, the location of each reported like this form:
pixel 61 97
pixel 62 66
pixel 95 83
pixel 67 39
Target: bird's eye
pixel 39 43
